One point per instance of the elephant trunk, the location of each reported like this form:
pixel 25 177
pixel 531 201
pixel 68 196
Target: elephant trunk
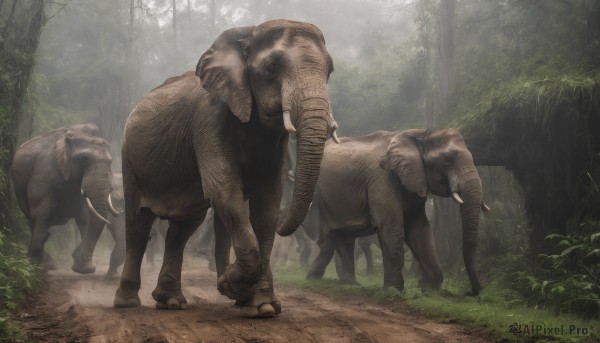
pixel 96 188
pixel 470 191
pixel 312 127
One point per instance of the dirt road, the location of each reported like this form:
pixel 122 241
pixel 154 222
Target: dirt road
pixel 78 308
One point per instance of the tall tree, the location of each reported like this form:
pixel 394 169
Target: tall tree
pixel 21 24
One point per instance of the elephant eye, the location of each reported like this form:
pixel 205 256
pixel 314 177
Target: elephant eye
pixel 447 160
pixel 271 69
pixel 84 161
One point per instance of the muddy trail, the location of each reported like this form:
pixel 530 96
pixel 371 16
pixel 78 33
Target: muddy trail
pixel 78 308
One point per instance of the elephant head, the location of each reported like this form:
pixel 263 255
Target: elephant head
pixel 439 162
pixel 277 73
pixel 85 160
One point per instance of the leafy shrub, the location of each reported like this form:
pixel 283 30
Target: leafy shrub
pixel 568 280
pixel 18 276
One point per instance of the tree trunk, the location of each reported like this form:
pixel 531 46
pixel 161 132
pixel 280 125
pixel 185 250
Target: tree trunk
pixel 19 41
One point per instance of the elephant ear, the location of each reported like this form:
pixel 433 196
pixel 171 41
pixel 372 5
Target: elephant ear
pixel 403 156
pixel 63 154
pixel 222 70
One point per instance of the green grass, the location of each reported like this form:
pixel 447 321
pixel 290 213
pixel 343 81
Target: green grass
pixel 490 314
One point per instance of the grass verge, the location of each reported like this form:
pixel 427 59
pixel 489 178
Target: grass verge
pixel 493 314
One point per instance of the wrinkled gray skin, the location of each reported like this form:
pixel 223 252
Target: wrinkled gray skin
pixel 116 227
pixel 378 184
pixel 218 140
pixel 49 173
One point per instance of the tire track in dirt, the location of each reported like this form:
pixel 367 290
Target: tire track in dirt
pixel 78 308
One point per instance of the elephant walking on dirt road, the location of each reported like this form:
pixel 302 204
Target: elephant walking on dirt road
pixel 216 139
pixel 64 174
pixel 378 184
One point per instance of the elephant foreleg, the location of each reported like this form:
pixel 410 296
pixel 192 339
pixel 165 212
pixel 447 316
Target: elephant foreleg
pixel 264 206
pixel 138 224
pixel 238 280
pixel 168 293
pixel 117 256
pixel 39 236
pixel 419 239
pixel 222 245
pixel 345 250
pixel 365 245
pixel 326 251
pixel 80 265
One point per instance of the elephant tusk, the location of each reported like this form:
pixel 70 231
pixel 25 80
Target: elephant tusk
pixel 457 198
pixel 112 208
pixel 333 128
pixel 93 210
pixel 335 137
pixel 287 122
pixel 485 208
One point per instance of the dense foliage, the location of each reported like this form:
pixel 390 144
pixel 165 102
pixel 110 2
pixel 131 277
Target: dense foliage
pixel 519 78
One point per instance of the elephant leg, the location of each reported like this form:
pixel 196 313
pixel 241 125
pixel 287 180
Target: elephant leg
pixel 264 213
pixel 117 256
pixel 152 247
pixel 304 248
pixel 222 245
pixel 138 224
pixel 39 236
pixel 238 280
pixel 387 216
pixel 168 293
pixel 345 249
pixel 80 265
pixel 326 251
pixel 365 246
pixel 419 238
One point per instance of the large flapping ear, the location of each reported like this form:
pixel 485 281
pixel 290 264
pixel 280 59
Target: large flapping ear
pixel 63 154
pixel 404 158
pixel 222 70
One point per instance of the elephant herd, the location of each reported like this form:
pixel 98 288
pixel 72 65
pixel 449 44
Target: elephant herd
pixel 217 138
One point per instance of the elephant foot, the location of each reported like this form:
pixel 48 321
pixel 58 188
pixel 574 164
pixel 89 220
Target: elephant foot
pixel 125 298
pixel 168 295
pixel 314 275
pixel 86 268
pixel 399 288
pixel 473 292
pixel 263 304
pixel 350 281
pixel 235 286
pixel 110 275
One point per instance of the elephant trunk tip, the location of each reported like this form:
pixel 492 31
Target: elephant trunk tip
pixel 285 229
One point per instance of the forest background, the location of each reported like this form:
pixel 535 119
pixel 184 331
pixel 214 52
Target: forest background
pixel 519 78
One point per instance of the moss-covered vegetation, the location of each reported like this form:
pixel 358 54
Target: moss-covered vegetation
pixel 490 315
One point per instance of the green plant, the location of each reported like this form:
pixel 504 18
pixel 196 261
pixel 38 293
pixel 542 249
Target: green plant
pixel 18 276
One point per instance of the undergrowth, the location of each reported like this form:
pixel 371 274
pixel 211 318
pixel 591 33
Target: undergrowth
pixel 496 313
pixel 18 277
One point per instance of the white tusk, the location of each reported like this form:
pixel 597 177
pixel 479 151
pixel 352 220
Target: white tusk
pixel 334 127
pixel 485 208
pixel 287 122
pixel 335 137
pixel 93 210
pixel 457 198
pixel 82 191
pixel 112 208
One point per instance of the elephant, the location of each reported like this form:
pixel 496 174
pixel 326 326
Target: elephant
pixel 378 184
pixel 216 138
pixel 62 174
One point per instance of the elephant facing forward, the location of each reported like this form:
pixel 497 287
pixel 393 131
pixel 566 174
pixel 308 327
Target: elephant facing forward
pixel 217 138
pixel 379 183
pixel 64 174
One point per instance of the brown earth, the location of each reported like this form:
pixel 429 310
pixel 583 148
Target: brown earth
pixel 78 308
